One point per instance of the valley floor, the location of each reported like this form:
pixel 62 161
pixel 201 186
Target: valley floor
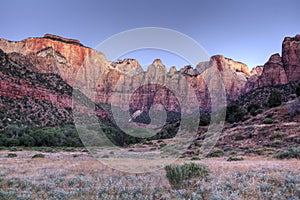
pixel 78 175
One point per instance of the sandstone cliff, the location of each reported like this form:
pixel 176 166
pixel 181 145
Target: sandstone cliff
pixel 54 54
pixel 278 69
pixel 114 82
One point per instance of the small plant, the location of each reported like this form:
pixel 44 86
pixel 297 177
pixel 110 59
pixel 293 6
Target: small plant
pixel 289 153
pixel 239 137
pixel 216 152
pixel 274 99
pixel 276 143
pixel 39 155
pixel 208 144
pixel 232 158
pixel 279 135
pixel 195 158
pixel 178 175
pixel 254 109
pixel 268 121
pixel 12 155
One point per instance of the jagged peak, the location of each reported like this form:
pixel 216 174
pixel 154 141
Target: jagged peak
pixel 127 61
pixel 275 58
pixel 172 70
pixel 128 66
pixel 157 62
pixel 236 66
pixel 289 39
pixel 257 70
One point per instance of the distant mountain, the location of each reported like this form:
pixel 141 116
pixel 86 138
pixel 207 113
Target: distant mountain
pixel 38 75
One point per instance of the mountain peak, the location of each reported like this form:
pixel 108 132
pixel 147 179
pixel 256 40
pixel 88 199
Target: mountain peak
pixel 157 62
pixel 61 39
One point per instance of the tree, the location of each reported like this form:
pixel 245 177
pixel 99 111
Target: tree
pixel 254 109
pixel 274 99
pixel 234 113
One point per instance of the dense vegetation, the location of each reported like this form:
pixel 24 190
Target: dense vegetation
pixel 29 136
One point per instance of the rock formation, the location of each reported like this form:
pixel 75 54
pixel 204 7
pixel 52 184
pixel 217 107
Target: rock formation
pixel 54 54
pixel 291 57
pixel 278 70
pixel 113 83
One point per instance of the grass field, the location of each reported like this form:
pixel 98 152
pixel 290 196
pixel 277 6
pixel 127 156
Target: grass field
pixel 78 175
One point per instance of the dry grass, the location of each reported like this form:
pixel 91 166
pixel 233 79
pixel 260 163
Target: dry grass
pixel 78 175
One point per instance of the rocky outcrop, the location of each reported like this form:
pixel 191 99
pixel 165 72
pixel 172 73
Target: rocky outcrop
pixel 233 74
pixel 273 72
pixel 54 54
pixel 291 57
pixel 257 70
pixel 278 70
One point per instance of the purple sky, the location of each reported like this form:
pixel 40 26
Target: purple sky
pixel 247 31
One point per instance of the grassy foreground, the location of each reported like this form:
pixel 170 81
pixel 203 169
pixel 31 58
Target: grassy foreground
pixel 77 175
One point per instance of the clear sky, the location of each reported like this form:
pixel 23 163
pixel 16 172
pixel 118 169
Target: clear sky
pixel 244 30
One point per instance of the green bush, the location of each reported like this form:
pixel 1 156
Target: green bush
pixel 274 99
pixel 28 136
pixel 11 155
pixel 216 152
pixel 234 113
pixel 268 121
pixel 232 158
pixel 178 175
pixel 239 137
pixel 254 109
pixel 289 153
pixel 39 155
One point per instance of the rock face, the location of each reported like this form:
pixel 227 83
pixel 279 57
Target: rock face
pixel 68 63
pixel 291 57
pixel 257 70
pixel 29 97
pixel 278 70
pixel 233 74
pixel 54 54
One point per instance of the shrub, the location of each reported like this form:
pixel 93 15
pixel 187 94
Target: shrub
pixel 239 137
pixel 289 153
pixel 274 99
pixel 268 121
pixel 175 175
pixel 216 152
pixel 39 155
pixel 254 109
pixel 234 113
pixel 232 158
pixel 178 175
pixel 204 119
pixel 11 155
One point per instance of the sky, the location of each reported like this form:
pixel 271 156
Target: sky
pixel 246 31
